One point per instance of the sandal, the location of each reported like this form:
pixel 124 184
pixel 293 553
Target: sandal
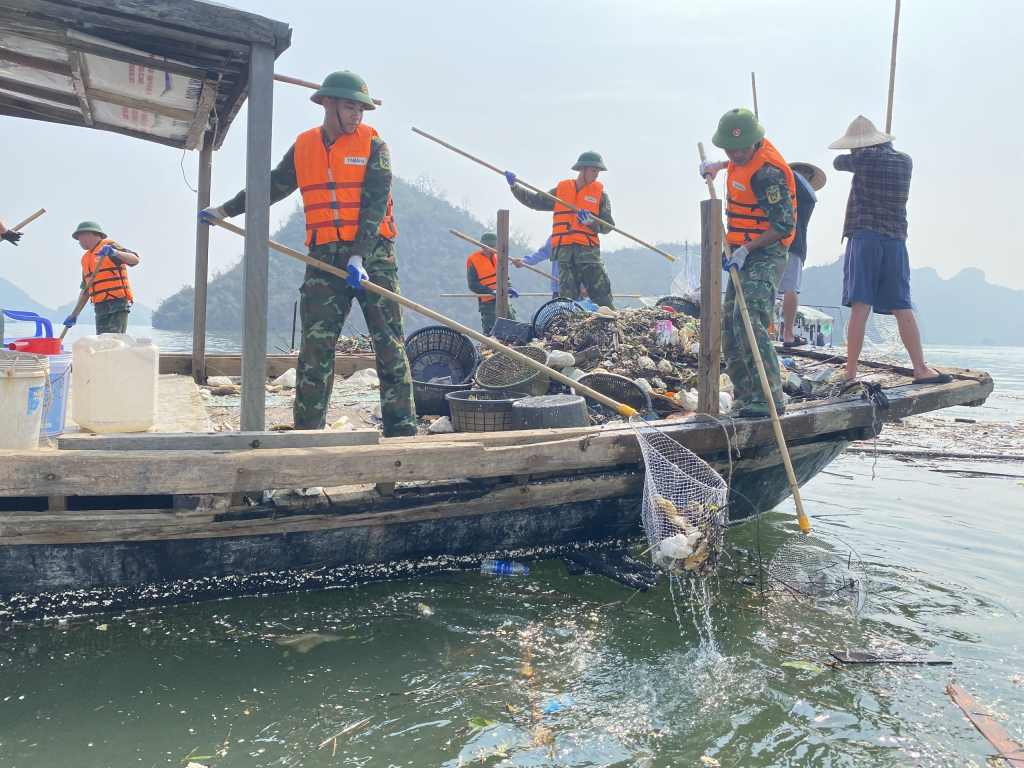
pixel 798 341
pixel 942 378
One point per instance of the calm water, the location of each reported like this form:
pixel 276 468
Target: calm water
pixel 552 671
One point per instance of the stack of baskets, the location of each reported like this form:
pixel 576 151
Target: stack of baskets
pixel 551 311
pixel 436 352
pixel 501 373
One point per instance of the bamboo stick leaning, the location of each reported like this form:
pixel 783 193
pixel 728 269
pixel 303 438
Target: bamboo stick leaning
pixel 18 227
pixel 483 247
pixel 805 524
pixel 539 191
pixel 494 344
pixel 307 84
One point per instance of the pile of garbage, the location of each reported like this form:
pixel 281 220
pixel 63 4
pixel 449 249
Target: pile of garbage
pixel 354 345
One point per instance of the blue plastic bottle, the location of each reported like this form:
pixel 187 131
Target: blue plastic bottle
pixel 492 567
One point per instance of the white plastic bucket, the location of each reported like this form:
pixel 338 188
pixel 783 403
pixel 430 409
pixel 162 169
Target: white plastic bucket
pixel 22 386
pixel 115 383
pixel 55 401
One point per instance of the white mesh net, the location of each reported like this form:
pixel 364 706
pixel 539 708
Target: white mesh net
pixel 821 569
pixel 685 506
pixel 881 336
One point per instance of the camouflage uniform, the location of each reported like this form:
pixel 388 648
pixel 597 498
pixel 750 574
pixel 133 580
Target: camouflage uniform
pixel 577 263
pixel 759 279
pixel 325 301
pixel 486 308
pixel 112 314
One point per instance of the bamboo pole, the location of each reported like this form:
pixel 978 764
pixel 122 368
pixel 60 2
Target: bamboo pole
pixel 892 68
pixel 801 516
pixel 521 295
pixel 489 249
pixel 494 344
pixel 307 84
pixel 18 227
pixel 753 87
pixel 541 192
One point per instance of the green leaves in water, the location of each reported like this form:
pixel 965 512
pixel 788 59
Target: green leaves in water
pixel 808 666
pixel 480 723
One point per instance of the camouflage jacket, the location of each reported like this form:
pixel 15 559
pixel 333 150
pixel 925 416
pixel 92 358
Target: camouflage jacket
pixel 373 204
pixel 473 280
pixel 781 215
pixel 538 202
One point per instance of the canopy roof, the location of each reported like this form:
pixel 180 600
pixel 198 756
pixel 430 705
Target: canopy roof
pixel 167 71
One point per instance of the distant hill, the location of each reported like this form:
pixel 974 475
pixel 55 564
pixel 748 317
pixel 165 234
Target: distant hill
pixel 965 309
pixel 12 297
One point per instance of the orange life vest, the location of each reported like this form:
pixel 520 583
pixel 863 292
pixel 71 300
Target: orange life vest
pixel 486 270
pixel 745 217
pixel 332 187
pixel 565 229
pixel 112 279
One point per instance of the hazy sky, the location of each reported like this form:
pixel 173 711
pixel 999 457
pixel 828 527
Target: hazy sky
pixel 528 85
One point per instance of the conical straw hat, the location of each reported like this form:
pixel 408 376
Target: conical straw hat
pixel 861 133
pixel 817 176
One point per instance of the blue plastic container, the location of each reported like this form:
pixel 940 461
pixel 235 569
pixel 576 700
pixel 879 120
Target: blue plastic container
pixel 55 396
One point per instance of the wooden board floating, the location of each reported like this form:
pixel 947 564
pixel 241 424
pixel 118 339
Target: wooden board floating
pixel 1010 750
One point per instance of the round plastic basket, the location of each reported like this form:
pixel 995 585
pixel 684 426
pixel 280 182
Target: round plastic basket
pixel 439 352
pixel 552 310
pixel 501 372
pixel 618 388
pixel 680 304
pixel 479 410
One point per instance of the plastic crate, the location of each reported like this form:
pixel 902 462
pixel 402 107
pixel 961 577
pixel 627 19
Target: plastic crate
pixel 512 331
pixel 481 410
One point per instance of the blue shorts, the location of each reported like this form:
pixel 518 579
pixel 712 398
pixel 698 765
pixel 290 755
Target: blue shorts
pixel 876 272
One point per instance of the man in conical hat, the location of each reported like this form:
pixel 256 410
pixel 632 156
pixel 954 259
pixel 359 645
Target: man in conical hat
pixel 876 272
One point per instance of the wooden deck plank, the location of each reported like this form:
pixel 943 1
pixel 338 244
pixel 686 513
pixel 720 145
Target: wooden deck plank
pixel 231 365
pixel 218 441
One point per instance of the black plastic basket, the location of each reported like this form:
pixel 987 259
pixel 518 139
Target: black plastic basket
pixel 512 331
pixel 618 388
pixel 437 352
pixel 680 304
pixel 501 373
pixel 551 310
pixel 480 410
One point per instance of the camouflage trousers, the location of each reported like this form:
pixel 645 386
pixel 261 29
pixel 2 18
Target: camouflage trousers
pixel 325 301
pixel 581 264
pixel 759 279
pixel 488 314
pixel 111 316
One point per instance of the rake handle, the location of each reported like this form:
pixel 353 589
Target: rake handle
pixel 307 84
pixel 483 247
pixel 494 344
pixel 805 524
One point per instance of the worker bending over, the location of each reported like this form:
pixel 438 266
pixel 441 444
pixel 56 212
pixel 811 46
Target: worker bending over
pixel 105 278
pixel 482 277
pixel 761 216
pixel 574 236
pixel 343 171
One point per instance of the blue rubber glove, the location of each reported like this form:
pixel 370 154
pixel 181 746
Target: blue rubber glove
pixel 738 259
pixel 107 250
pixel 69 321
pixel 207 215
pixel 583 218
pixel 510 178
pixel 513 293
pixel 356 273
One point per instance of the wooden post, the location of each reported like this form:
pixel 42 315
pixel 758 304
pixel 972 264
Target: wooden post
pixel 709 360
pixel 256 259
pixel 202 263
pixel 892 68
pixel 502 309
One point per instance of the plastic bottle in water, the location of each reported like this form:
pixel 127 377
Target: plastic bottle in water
pixel 492 567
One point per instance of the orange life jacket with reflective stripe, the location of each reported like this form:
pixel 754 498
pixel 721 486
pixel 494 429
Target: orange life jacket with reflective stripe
pixel 332 186
pixel 486 271
pixel 745 217
pixel 565 229
pixel 112 279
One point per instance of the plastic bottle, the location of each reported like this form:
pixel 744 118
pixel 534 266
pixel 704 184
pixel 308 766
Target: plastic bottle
pixel 492 567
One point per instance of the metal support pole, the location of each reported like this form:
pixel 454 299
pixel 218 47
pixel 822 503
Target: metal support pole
pixel 202 263
pixel 709 359
pixel 256 259
pixel 502 268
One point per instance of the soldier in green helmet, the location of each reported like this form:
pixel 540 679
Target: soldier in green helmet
pixel 761 218
pixel 482 277
pixel 574 235
pixel 104 279
pixel 343 171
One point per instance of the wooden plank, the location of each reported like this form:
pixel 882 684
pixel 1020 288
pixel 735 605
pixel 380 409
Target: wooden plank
pixel 78 80
pixel 710 357
pixel 201 282
pixel 44 65
pixel 141 104
pixel 501 310
pixel 196 132
pixel 58 97
pixel 34 110
pixel 138 59
pixel 256 256
pixel 1010 750
pixel 217 441
pixel 231 365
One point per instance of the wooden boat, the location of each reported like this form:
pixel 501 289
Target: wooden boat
pixel 115 521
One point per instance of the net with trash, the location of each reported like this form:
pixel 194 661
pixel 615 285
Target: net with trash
pixel 504 373
pixel 820 569
pixel 684 508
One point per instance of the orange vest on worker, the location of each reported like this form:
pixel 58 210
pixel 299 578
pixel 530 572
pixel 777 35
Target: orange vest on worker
pixel 112 279
pixel 746 219
pixel 486 271
pixel 332 186
pixel 566 230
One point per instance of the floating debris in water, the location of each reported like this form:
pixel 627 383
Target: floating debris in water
pixel 306 642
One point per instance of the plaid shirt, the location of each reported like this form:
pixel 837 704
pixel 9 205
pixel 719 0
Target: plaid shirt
pixel 879 192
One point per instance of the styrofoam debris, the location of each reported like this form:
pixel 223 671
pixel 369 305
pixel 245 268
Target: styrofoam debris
pixel 644 384
pixel 442 426
pixel 286 379
pixel 365 377
pixel 219 381
pixel 559 359
pixel 664 367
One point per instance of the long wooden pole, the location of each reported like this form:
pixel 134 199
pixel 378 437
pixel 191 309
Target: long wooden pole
pixel 805 524
pixel 202 278
pixel 18 227
pixel 541 192
pixel 892 68
pixel 488 249
pixel 83 297
pixel 494 344
pixel 753 87
pixel 307 84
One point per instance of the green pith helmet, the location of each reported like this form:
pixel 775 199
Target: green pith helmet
pixel 88 226
pixel 489 238
pixel 737 129
pixel 344 85
pixel 590 160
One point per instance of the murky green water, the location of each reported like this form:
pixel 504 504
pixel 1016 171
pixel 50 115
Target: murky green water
pixel 554 670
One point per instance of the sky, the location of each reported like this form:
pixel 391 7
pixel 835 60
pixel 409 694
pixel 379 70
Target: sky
pixel 528 85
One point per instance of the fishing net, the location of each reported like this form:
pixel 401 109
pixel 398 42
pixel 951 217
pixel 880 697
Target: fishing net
pixel 820 569
pixel 881 336
pixel 502 372
pixel 685 506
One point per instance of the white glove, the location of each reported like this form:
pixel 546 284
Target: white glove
pixel 738 258
pixel 207 214
pixel 710 168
